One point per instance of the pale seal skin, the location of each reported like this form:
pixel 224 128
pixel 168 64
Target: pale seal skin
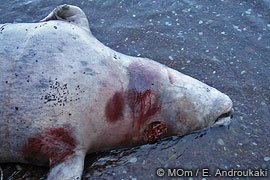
pixel 64 94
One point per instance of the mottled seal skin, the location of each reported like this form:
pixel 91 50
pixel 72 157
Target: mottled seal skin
pixel 64 94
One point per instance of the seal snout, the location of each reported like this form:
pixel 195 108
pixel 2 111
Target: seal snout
pixel 226 115
pixel 225 118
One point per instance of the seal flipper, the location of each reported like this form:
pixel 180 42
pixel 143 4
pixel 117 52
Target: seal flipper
pixel 68 13
pixel 70 169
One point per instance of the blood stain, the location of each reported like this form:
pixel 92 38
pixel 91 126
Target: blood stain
pixel 142 98
pixel 170 77
pixel 51 147
pixel 115 106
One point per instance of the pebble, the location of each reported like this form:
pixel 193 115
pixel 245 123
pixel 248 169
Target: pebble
pixel 186 10
pixel 168 23
pixel 171 58
pixel 237 28
pixel 266 159
pixel 209 21
pixel 18 167
pixel 248 11
pixel 263 103
pixel 133 160
pixel 220 142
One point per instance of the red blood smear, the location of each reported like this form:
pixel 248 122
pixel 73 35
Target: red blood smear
pixel 51 147
pixel 142 98
pixel 170 77
pixel 115 106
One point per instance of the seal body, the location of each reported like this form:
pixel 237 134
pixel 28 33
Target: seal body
pixel 64 94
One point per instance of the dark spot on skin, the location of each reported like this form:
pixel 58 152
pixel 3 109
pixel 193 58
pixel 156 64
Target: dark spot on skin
pixel 55 27
pixel 114 108
pixel 142 97
pixel 17 108
pixel 89 71
pixel 154 131
pixel 57 94
pixel 2 28
pixel 84 63
pixel 51 147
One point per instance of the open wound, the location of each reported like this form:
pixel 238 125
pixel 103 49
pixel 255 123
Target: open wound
pixel 154 131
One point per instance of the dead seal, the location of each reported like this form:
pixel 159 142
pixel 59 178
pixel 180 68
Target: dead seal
pixel 64 94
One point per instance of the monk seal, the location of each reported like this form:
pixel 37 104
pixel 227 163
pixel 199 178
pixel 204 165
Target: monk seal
pixel 64 94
